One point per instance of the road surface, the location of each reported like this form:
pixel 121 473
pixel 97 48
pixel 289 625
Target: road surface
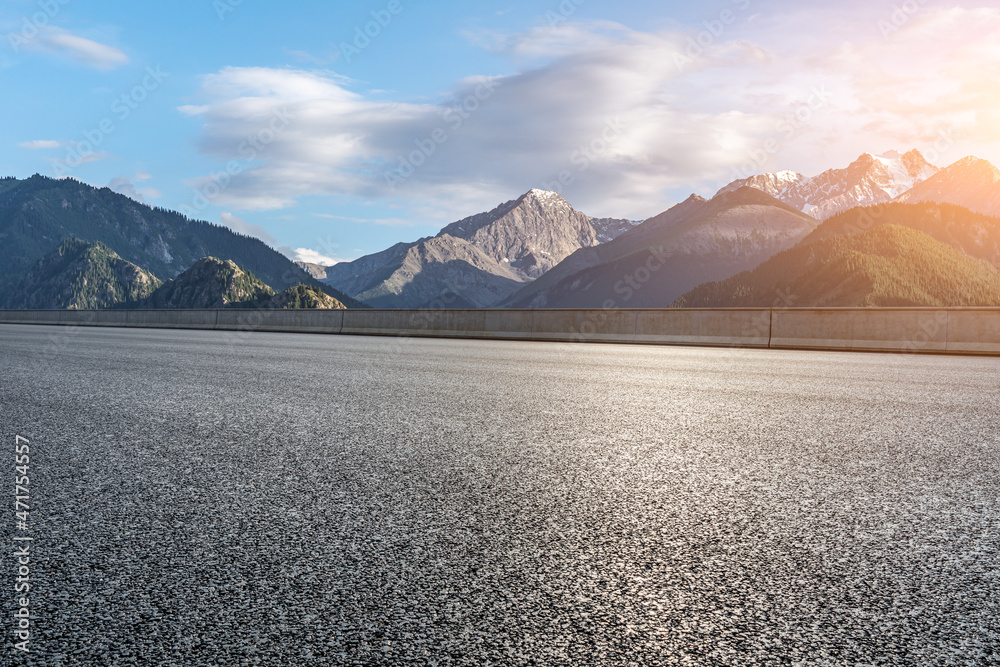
pixel 222 498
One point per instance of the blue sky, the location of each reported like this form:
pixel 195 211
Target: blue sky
pixel 257 116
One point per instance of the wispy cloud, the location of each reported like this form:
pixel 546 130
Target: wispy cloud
pixel 385 222
pixel 125 186
pixel 82 158
pixel 80 49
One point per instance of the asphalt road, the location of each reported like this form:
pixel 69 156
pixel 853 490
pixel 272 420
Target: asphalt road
pixel 213 498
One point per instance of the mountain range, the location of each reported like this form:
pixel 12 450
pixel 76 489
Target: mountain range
pixel 970 182
pixel 892 255
pixel 538 252
pixel 701 242
pixel 477 261
pixel 650 266
pixel 216 283
pixel 39 213
pixel 78 276
pixel 868 180
pixel 852 236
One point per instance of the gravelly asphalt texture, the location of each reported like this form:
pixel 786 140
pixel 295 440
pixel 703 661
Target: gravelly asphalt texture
pixel 210 498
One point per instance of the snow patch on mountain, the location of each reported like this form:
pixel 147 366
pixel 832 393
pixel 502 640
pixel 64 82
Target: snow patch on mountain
pixel 868 180
pixel 608 229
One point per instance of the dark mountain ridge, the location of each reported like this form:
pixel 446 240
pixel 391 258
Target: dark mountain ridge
pixel 77 276
pixel 38 213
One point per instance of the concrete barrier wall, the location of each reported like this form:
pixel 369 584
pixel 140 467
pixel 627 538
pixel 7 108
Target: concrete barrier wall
pixel 94 318
pixel 881 330
pixel 171 319
pixel 378 322
pixel 508 324
pixel 974 331
pixel 726 328
pixel 304 321
pixel 32 316
pixel 584 326
pixel 914 330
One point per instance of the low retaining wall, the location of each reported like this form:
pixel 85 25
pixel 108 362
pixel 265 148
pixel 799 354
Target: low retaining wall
pixel 915 330
pixel 725 328
pixel 301 321
pixel 878 330
pixel 973 331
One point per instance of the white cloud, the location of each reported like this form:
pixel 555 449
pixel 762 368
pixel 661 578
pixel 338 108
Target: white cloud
pixel 125 186
pixel 313 257
pixel 78 159
pixel 80 49
pixel 247 229
pixel 602 120
pixel 122 185
pixel 383 222
pixel 623 116
pixel 40 144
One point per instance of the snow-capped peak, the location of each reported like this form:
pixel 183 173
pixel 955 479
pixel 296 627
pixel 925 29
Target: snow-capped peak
pixel 544 194
pixel 868 180
pixel 546 199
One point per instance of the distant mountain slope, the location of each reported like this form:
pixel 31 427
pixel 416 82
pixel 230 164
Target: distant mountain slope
pixel 884 267
pixel 317 271
pixel 653 264
pixel 303 297
pixel 532 233
pixel 868 180
pixel 210 283
pixel 970 182
pixel 975 234
pixel 608 229
pixel 476 261
pixel 533 295
pixel 773 184
pixel 38 213
pixel 78 276
pixel 445 271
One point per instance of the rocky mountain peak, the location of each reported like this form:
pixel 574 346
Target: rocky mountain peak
pixel 543 197
pixel 970 165
pixel 78 275
pixel 773 184
pixel 870 179
pixel 477 260
pixel 210 283
pixel 970 182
